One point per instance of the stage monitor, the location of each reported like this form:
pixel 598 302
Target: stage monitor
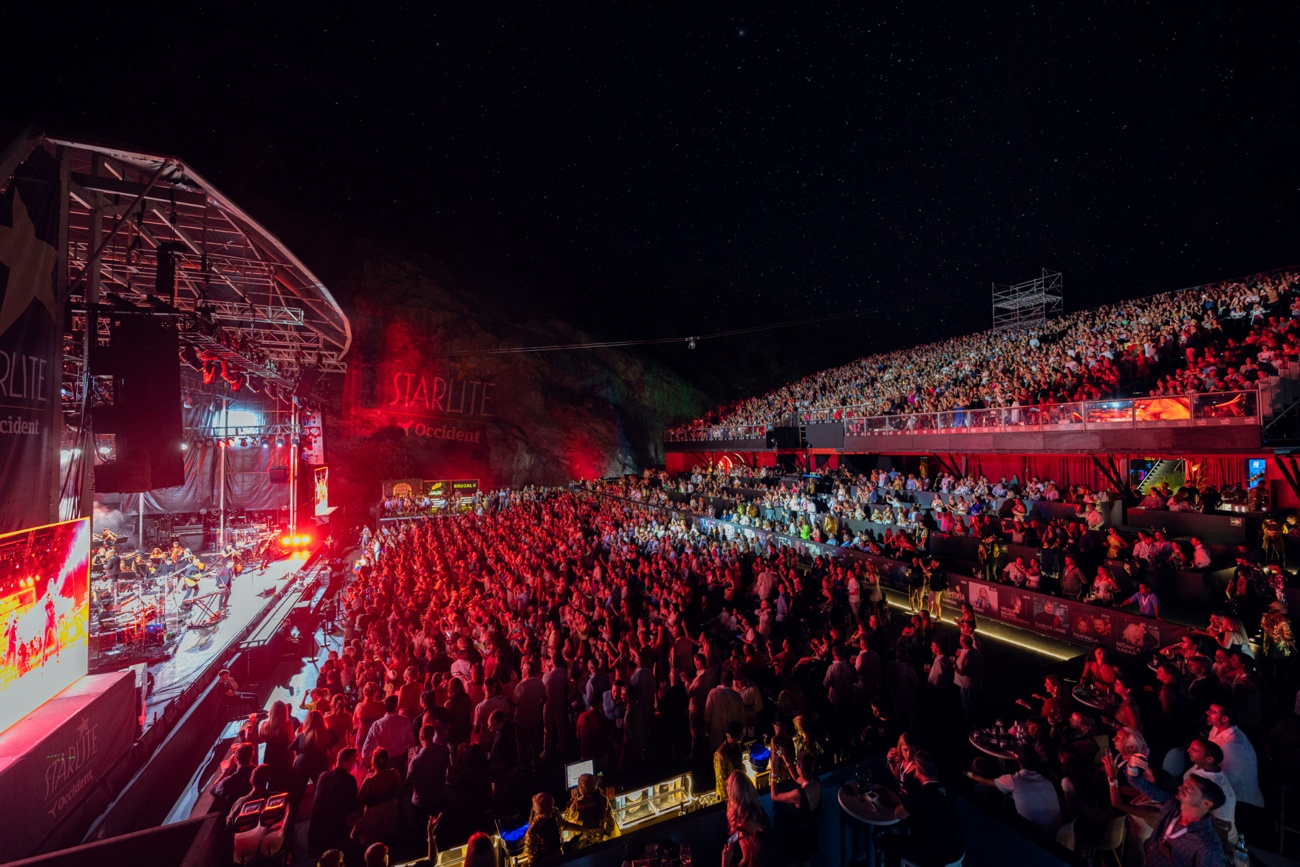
pixel 44 615
pixel 575 770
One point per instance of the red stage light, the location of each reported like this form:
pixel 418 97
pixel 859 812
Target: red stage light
pixel 284 540
pixel 306 540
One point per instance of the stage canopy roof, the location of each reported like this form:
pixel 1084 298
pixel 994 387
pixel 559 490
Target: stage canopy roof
pixel 239 293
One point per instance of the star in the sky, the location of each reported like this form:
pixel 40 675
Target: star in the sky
pixel 31 265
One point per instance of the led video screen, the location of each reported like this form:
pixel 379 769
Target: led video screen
pixel 44 615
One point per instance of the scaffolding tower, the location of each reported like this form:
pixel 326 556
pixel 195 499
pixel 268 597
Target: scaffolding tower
pixel 1030 303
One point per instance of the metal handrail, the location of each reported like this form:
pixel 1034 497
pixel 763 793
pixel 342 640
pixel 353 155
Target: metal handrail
pixel 1193 410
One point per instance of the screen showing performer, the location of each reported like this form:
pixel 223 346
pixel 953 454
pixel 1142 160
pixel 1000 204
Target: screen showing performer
pixel 44 614
pixel 322 493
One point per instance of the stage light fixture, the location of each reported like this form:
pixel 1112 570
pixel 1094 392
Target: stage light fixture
pixel 266 442
pixel 185 446
pixel 243 442
pixel 190 356
pixel 279 442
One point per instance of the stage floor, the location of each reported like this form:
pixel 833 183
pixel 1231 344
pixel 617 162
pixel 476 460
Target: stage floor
pixel 250 595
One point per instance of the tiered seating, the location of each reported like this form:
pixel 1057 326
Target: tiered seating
pixel 1224 337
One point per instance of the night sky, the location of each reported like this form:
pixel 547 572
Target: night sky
pixel 690 168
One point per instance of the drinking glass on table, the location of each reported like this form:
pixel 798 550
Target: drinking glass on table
pixel 684 854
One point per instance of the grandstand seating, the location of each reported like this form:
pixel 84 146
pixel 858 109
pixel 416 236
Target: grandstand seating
pixel 1232 336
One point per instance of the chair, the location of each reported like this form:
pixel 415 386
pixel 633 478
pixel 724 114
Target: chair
pixel 1112 838
pixel 1065 836
pixel 1282 826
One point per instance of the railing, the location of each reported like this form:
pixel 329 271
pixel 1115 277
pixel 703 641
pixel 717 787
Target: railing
pixel 718 432
pixel 1197 410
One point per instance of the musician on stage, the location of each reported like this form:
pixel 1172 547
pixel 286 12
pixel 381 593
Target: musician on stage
pixel 225 577
pixel 191 573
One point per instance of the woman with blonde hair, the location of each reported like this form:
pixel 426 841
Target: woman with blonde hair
pixel 750 842
pixel 899 758
pixel 277 734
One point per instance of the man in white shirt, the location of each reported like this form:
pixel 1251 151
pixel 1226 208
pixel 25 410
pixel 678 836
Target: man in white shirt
pixel 1015 572
pixel 393 732
pixel 1033 794
pixel 1200 556
pixel 722 706
pixel 1239 760
pixel 1207 761
pixel 840 678
pixel 530 696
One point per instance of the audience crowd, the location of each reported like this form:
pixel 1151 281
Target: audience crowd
pixel 1223 337
pixel 483 650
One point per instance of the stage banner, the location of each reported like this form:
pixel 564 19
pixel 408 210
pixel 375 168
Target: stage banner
pixel 52 763
pixel 31 344
pixel 321 491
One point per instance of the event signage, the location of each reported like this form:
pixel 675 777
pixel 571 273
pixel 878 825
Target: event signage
pixel 440 492
pixel 78 738
pixel 428 395
pixel 31 343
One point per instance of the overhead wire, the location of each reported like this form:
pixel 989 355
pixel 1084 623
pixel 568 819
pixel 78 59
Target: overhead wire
pixel 688 339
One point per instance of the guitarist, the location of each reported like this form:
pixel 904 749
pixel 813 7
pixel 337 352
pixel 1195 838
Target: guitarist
pixel 191 574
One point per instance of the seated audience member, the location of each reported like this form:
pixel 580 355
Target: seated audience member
pixel 1183 831
pixel 589 815
pixel 542 840
pixel 1033 794
pixel 931 814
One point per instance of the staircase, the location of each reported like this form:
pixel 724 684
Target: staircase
pixel 1279 398
pixel 1164 471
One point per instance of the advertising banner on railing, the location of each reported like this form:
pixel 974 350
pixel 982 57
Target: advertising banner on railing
pixel 1122 633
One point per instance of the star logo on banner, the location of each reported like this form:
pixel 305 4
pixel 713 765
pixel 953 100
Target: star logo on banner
pixel 465 366
pixel 31 263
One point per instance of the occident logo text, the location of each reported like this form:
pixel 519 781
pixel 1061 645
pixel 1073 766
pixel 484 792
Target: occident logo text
pixel 15 424
pixel 69 762
pixel 443 432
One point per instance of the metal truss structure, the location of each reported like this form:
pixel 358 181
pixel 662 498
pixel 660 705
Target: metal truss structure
pixel 239 297
pixel 1032 302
